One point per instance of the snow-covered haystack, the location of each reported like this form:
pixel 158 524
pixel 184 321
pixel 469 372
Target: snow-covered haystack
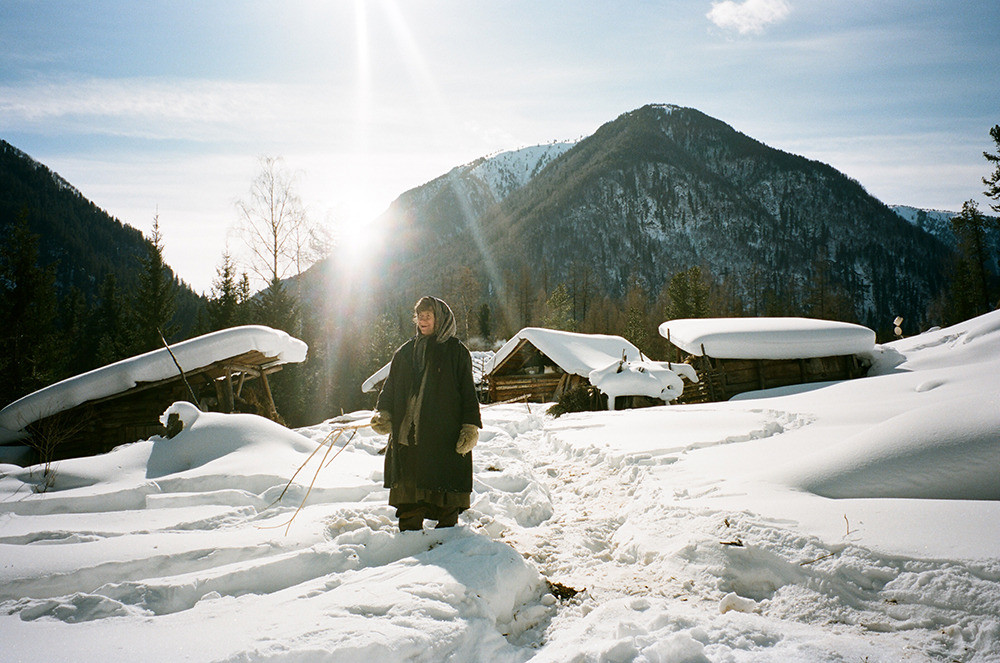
pixel 652 379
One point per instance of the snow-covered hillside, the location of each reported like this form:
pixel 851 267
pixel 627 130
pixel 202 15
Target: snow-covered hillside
pixel 506 172
pixel 833 522
pixel 936 222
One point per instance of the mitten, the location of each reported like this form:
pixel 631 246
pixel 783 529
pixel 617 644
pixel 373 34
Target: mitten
pixel 382 422
pixel 467 438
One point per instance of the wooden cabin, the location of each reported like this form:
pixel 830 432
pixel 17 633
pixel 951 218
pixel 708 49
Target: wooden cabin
pixel 721 379
pixel 737 355
pixel 107 417
pixel 540 365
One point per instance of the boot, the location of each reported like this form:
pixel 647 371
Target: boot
pixel 447 517
pixel 410 520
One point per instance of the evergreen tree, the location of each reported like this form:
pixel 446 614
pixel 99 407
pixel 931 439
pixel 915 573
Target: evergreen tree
pixel 993 181
pixel 383 338
pixel 558 308
pixel 73 324
pixel 244 298
pixel 637 317
pixel 154 301
pixel 224 305
pixel 277 308
pixel 111 333
pixel 688 295
pixel 28 301
pixel 971 291
pixel 485 322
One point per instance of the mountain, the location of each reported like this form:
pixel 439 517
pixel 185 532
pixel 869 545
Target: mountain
pixel 933 221
pixel 652 193
pixel 81 240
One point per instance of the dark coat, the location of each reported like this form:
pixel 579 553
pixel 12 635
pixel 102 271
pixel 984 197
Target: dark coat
pixel 449 401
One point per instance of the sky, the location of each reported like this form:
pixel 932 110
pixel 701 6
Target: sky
pixel 165 109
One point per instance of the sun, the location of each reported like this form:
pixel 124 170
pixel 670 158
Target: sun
pixel 354 233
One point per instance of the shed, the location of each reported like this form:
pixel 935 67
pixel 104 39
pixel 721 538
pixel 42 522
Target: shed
pixel 736 355
pixel 122 402
pixel 541 364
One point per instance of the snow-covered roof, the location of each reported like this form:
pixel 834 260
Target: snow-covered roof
pixel 574 353
pixel 153 366
pixel 375 378
pixel 768 338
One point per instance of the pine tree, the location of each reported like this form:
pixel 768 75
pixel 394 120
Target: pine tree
pixel 73 322
pixel 244 298
pixel 688 295
pixel 111 332
pixel 971 291
pixel 224 305
pixel 485 323
pixel 154 302
pixel 637 317
pixel 277 308
pixel 28 301
pixel 558 308
pixel 993 181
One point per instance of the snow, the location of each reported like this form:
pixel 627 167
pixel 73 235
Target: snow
pixel 509 171
pixel 768 338
pixel 151 367
pixel 375 379
pixel 642 378
pixel 578 354
pixel 847 521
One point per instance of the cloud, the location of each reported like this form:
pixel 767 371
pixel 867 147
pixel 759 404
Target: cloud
pixel 748 17
pixel 168 109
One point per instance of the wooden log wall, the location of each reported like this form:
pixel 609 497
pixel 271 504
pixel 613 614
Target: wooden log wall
pixel 721 379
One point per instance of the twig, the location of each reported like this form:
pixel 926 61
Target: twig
pixel 829 554
pixel 194 397
pixel 332 438
pixel 848 526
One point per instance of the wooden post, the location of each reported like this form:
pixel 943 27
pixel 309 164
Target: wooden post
pixel 230 403
pixel 272 410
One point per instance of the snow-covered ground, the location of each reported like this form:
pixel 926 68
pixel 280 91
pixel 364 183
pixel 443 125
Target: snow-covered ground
pixel 855 521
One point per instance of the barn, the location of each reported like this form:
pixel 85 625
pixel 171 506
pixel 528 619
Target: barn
pixel 737 355
pixel 122 402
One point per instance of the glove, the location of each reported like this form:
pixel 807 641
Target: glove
pixel 382 422
pixel 467 438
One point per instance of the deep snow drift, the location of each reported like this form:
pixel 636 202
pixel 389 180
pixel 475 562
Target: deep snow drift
pixel 853 521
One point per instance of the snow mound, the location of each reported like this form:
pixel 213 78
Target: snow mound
pixel 767 338
pixel 243 440
pixel 948 450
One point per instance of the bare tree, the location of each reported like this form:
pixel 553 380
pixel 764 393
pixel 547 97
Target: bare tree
pixel 273 223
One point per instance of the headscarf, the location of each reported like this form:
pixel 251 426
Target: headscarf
pixel 445 325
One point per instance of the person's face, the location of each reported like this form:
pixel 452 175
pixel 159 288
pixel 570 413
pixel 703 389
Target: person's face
pixel 425 322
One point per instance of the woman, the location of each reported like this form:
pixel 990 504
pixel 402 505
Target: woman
pixel 428 406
